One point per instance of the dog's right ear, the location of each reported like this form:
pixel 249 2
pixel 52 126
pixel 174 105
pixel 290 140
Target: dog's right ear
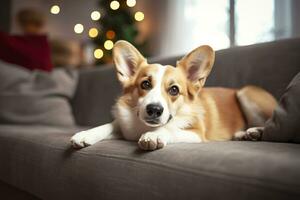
pixel 127 59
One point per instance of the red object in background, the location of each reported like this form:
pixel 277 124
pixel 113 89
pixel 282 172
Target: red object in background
pixel 29 51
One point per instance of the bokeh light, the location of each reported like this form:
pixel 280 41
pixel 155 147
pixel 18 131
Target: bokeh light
pixel 114 5
pixel 78 28
pixel 95 15
pixel 108 44
pixel 139 16
pixel 93 32
pixel 110 34
pixel 55 9
pixel 98 53
pixel 131 3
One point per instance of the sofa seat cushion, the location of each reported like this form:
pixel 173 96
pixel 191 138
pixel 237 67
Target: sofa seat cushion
pixel 41 161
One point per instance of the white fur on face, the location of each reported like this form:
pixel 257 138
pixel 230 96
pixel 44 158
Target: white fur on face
pixel 155 96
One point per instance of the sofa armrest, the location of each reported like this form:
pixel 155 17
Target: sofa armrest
pixel 96 92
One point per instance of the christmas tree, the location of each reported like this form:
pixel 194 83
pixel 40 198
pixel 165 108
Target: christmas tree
pixel 117 22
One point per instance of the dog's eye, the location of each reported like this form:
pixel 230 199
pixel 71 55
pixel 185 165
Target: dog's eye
pixel 174 90
pixel 146 85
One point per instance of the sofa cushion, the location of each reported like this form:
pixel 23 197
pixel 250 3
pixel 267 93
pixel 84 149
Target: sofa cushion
pixel 41 161
pixel 30 51
pixel 9 192
pixel 37 97
pixel 284 125
pixel 95 95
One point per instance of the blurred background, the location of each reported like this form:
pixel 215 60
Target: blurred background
pixel 83 32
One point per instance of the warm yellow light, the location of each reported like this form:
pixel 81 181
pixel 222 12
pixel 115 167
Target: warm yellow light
pixel 139 16
pixel 55 9
pixel 78 28
pixel 108 44
pixel 98 53
pixel 131 3
pixel 95 15
pixel 114 5
pixel 93 32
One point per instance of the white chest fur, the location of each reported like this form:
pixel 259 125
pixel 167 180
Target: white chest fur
pixel 131 126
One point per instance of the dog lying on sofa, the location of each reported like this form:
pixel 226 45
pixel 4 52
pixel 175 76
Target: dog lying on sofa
pixel 167 104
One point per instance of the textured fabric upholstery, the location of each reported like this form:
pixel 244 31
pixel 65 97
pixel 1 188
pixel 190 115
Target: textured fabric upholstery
pixel 39 160
pixel 284 124
pixel 96 93
pixel 36 97
pixel 269 65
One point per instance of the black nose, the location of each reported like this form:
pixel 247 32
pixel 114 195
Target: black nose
pixel 154 110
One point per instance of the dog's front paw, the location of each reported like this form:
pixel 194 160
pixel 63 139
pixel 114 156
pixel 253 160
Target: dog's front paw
pixel 251 134
pixel 79 140
pixel 152 141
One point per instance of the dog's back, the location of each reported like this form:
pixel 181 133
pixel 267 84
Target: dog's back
pixel 227 111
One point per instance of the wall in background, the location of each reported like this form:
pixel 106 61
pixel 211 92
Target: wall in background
pixel 61 25
pixel 295 16
pixel 5 9
pixel 72 12
pixel 191 23
pixel 172 26
pixel 283 19
pixel 287 15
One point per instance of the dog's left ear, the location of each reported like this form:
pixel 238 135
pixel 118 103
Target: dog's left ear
pixel 127 60
pixel 197 65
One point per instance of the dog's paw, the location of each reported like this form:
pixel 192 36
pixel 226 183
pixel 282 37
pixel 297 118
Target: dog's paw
pixel 79 140
pixel 251 134
pixel 152 141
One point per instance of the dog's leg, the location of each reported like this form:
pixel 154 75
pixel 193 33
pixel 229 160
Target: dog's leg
pixel 162 136
pixel 91 136
pixel 257 105
pixel 251 134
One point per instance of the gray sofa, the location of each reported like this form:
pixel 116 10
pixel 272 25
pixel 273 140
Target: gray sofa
pixel 37 162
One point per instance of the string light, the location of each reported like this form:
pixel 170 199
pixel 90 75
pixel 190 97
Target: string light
pixel 114 5
pixel 78 28
pixel 55 9
pixel 95 15
pixel 139 16
pixel 110 34
pixel 108 44
pixel 98 53
pixel 131 3
pixel 93 32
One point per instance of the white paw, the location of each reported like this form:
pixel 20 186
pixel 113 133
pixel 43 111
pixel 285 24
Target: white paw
pixel 152 141
pixel 80 140
pixel 251 134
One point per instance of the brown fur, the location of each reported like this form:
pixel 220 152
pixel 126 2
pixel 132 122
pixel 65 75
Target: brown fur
pixel 223 116
pixel 257 105
pixel 225 111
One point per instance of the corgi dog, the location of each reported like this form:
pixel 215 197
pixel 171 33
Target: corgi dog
pixel 163 104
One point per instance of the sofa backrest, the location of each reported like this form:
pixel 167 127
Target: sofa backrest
pixel 96 93
pixel 268 65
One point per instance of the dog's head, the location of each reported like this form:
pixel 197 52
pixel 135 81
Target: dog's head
pixel 158 92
